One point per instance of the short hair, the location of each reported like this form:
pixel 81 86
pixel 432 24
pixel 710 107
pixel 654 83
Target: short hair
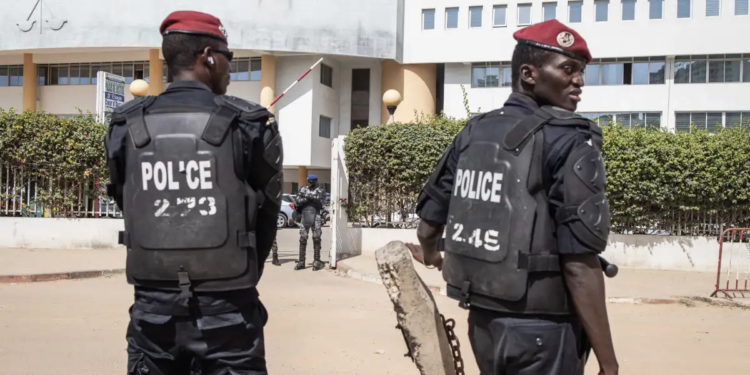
pixel 180 50
pixel 526 54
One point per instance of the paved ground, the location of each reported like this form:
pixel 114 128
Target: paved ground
pixel 322 324
pixel 325 324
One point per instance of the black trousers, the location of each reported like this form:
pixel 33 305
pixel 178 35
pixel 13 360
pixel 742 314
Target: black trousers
pixel 229 343
pixel 504 344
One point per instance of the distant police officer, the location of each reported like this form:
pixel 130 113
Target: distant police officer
pixel 275 253
pixel 197 175
pixel 521 196
pixel 310 204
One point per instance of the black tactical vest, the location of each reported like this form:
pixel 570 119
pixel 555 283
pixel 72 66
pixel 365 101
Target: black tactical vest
pixel 500 249
pixel 189 215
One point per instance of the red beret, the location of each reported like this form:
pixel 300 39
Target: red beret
pixel 195 23
pixel 554 36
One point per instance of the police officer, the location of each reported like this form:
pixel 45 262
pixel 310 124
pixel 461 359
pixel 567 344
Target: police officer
pixel 310 204
pixel 275 254
pixel 521 196
pixel 197 175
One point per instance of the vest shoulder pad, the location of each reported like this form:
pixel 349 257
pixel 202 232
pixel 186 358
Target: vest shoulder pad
pixel 562 116
pixel 118 114
pixel 239 104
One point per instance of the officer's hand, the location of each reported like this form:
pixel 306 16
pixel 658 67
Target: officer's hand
pixel 614 371
pixel 418 254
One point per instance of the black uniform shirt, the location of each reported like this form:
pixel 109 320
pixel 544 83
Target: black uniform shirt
pixel 559 142
pixel 168 303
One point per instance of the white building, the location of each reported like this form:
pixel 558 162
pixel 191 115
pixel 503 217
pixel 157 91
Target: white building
pixel 659 62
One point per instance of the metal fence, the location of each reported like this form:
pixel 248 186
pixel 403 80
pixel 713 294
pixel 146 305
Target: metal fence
pixel 21 196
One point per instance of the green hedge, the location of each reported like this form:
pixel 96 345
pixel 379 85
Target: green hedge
pixel 55 159
pixel 689 183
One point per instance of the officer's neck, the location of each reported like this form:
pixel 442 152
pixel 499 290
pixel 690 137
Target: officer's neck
pixel 189 75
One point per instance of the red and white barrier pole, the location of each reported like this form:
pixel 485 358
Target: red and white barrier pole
pixel 295 82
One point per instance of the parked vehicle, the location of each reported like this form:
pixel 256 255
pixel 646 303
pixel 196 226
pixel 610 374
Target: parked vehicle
pixel 286 212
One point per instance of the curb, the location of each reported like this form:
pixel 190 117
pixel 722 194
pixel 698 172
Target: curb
pixel 74 275
pixel 348 271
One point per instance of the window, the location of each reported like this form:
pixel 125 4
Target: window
pixel 550 11
pixel 575 11
pixel 428 19
pixel 737 119
pixel 602 10
pixel 491 74
pixel 713 8
pixel 712 69
pixel 324 128
pixel 41 76
pixel 498 17
pixel 475 17
pixel 326 75
pixel 451 18
pixel 683 8
pixel 640 73
pixel 245 69
pixel 591 75
pixel 655 9
pixel 612 74
pixel 3 76
pixel 628 10
pixel 524 14
pixel 740 7
pixel 15 75
pixel 626 71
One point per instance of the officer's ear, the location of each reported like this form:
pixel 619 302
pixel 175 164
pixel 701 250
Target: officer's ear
pixel 529 74
pixel 207 58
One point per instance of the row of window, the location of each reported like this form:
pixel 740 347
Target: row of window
pixel 711 120
pixel 634 71
pixel 85 73
pixel 649 120
pixel 621 71
pixel 575 12
pixel 11 75
pixel 626 71
pixel 712 68
pixel 683 120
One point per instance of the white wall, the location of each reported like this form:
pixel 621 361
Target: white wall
pixel 11 98
pixel 614 38
pixel 340 27
pixel 325 103
pixel 248 90
pixel 345 91
pixel 294 110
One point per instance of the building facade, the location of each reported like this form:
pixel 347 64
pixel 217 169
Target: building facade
pixel 658 63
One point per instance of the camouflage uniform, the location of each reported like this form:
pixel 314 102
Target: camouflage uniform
pixel 275 252
pixel 310 198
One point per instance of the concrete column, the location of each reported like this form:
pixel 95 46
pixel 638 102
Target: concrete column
pixel 155 73
pixel 267 80
pixel 29 83
pixel 417 85
pixel 302 177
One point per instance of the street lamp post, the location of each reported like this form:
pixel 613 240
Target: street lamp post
pixel 391 99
